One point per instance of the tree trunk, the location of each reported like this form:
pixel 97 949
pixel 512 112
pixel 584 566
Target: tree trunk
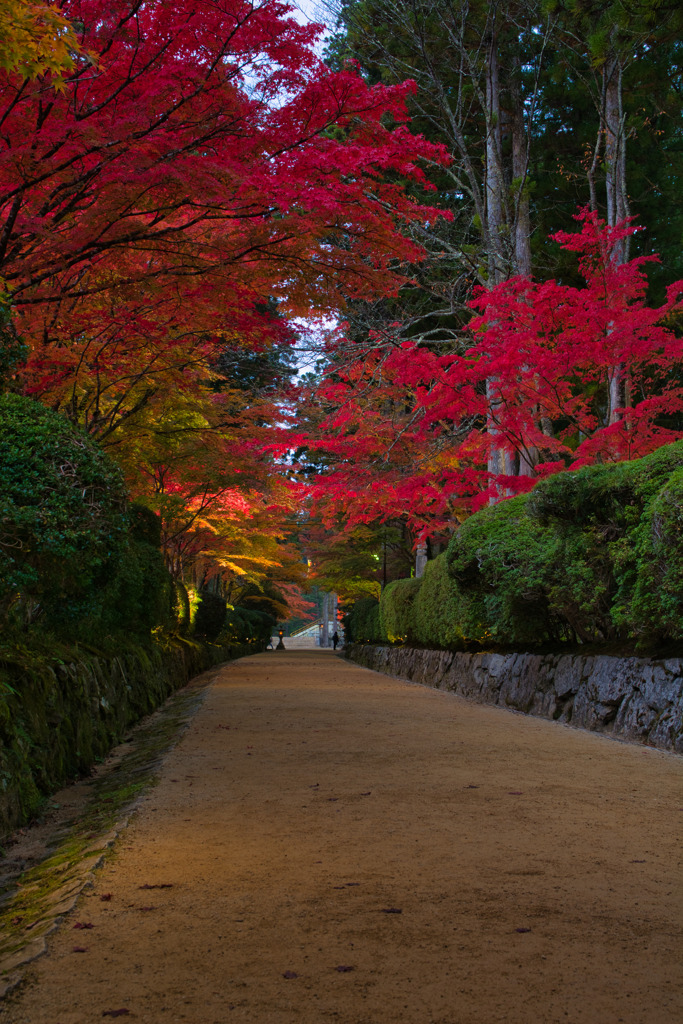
pixel 495 185
pixel 325 631
pixel 617 202
pixel 498 459
pixel 520 165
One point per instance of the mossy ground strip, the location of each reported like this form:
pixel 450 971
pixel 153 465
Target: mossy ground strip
pixel 33 904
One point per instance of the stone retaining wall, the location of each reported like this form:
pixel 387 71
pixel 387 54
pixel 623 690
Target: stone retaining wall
pixel 633 698
pixel 58 718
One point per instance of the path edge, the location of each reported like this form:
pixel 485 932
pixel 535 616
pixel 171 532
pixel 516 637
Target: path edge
pixel 634 699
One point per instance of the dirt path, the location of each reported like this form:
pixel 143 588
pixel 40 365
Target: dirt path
pixel 329 845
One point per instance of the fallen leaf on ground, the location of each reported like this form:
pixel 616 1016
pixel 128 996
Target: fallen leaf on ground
pixel 115 1013
pixel 83 924
pixel 105 897
pixel 290 974
pixel 157 885
pixel 522 930
pixel 344 968
pixel 391 910
pixel 80 949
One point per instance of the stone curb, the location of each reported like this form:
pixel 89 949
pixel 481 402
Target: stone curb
pixel 61 889
pixel 629 698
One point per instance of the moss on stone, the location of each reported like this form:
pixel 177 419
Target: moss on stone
pixel 61 712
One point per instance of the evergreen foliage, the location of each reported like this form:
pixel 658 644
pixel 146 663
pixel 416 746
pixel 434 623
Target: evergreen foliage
pixel 362 624
pixel 396 610
pixel 63 510
pixel 587 557
pixel 210 615
pixel 436 605
pixel 498 561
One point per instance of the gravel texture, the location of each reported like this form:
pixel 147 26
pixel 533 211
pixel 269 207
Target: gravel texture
pixel 326 844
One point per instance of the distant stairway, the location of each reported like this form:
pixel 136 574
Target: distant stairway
pixel 306 639
pixel 297 643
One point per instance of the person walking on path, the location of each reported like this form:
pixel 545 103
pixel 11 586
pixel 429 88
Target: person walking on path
pixel 335 639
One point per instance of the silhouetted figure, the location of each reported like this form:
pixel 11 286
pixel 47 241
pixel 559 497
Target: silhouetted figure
pixel 335 639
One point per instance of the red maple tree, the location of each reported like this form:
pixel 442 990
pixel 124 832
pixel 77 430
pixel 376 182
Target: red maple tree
pixel 196 161
pixel 411 427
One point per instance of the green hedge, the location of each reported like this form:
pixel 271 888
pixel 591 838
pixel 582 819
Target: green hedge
pixel 77 560
pixel 594 556
pixel 498 563
pixel 362 624
pixel 436 607
pixel 396 611
pixel 657 605
pixel 216 620
pixel 612 569
pixel 63 510
pixel 247 625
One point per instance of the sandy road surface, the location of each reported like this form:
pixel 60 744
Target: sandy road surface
pixel 329 845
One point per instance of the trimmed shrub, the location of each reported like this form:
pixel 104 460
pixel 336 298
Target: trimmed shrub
pixel 209 618
pixel 137 600
pixel 396 610
pixel 75 557
pixel 656 612
pixel 594 556
pixel 362 624
pixel 499 560
pixel 602 520
pixel 436 609
pixel 247 625
pixel 62 514
pixel 181 608
pixel 258 625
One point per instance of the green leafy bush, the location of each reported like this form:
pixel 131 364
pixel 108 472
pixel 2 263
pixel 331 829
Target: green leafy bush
pixel 75 557
pixel 210 615
pixel 594 556
pixel 656 612
pixel 499 561
pixel 258 625
pixel 601 521
pixel 437 607
pixel 63 520
pixel 396 610
pixel 140 596
pixel 247 625
pixel 362 624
